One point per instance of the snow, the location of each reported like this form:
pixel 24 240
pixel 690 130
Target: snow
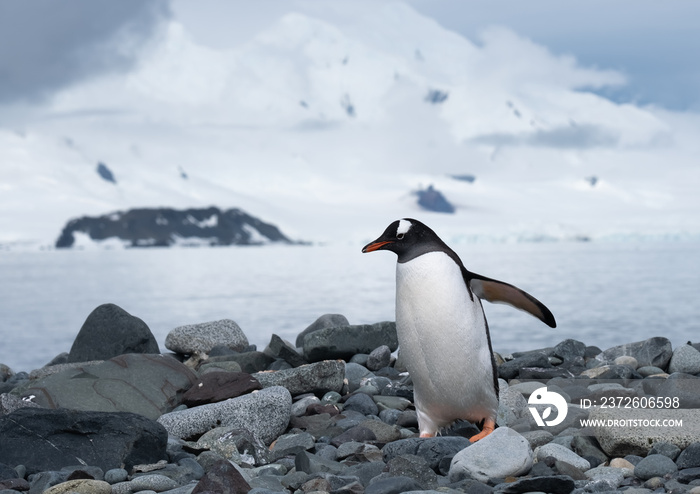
pixel 323 129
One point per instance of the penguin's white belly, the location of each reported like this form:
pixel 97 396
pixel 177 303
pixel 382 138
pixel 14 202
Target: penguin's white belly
pixel 443 340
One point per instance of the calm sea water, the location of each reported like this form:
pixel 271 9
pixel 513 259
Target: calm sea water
pixel 603 294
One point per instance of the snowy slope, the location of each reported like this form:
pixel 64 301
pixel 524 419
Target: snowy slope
pixel 325 130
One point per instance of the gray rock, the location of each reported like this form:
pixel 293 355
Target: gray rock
pixel 607 478
pixel 345 341
pixel 537 438
pixel 318 377
pixel 116 475
pixel 666 449
pixel 681 388
pixel 110 331
pixel 654 466
pixel 512 406
pixel 649 370
pixel 383 432
pixel 563 454
pixel 282 349
pixel 685 359
pixel 502 453
pixel 361 403
pixel 201 338
pixel 655 351
pixel 44 440
pixel 291 444
pixel 588 447
pixel 413 467
pixel 379 358
pixel 249 362
pixel 690 457
pixel 688 475
pixel 552 484
pixel 432 449
pixel 511 369
pixel 265 413
pixel 323 322
pixel 354 374
pixel 393 402
pixel 637 438
pixel 149 385
pixel 299 407
pixel 392 485
pixel 569 349
pixel 152 482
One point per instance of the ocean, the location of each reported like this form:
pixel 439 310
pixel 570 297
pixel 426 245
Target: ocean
pixel 602 293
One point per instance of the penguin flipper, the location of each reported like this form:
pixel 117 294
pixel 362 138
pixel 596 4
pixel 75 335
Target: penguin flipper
pixel 498 292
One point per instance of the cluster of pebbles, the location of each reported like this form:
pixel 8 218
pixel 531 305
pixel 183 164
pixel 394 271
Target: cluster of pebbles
pixel 334 412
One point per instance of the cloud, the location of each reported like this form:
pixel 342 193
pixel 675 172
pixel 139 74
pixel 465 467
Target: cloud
pixel 47 45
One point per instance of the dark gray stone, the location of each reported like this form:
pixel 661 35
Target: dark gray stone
pixel 250 362
pixel 110 331
pixel 290 445
pixel 654 466
pixel 431 449
pixel 553 484
pixel 149 385
pixel 655 351
pixel 323 322
pixel 282 349
pixel 354 374
pixel 569 349
pixel 318 377
pixel 222 476
pixel 358 433
pixel 413 467
pixel 666 449
pixel 378 358
pixel 587 446
pixel 392 485
pixel 345 341
pixel 511 369
pixel 45 440
pixel 689 457
pixel 361 403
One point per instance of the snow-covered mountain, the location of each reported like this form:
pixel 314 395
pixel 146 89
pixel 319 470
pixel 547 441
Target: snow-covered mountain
pixel 327 130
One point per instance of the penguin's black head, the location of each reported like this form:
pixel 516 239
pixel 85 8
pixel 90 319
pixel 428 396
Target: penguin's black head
pixel 407 238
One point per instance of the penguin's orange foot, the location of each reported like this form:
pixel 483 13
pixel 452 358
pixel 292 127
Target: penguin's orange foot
pixel 489 426
pixel 427 434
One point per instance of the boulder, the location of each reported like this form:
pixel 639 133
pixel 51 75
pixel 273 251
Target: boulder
pixel 44 440
pixel 655 351
pixel 318 377
pixel 342 342
pixel 149 385
pixel 503 453
pixel 201 338
pixel 264 413
pixel 110 331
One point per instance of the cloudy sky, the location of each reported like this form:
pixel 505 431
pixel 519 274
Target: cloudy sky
pixel 46 46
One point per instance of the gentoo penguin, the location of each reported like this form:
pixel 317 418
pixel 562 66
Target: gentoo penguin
pixel 443 334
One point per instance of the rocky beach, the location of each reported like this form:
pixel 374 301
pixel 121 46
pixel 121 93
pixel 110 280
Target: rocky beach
pixel 333 412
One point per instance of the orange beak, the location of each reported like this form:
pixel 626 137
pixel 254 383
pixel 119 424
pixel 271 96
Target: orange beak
pixel 374 246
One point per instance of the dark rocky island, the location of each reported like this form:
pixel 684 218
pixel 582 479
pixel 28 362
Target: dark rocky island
pixel 163 227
